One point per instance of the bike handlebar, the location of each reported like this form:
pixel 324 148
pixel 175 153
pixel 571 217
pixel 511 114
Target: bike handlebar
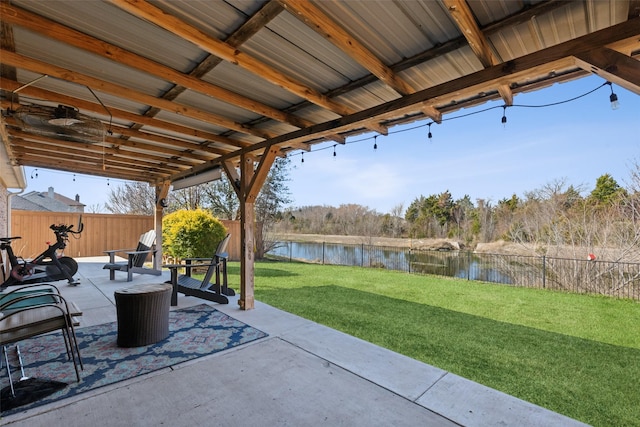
pixel 63 229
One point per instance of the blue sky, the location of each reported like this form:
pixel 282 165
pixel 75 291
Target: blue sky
pixel 475 155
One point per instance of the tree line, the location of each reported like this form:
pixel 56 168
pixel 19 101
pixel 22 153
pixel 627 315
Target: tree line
pixel 555 219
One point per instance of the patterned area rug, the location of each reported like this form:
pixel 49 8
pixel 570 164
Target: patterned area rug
pixel 194 332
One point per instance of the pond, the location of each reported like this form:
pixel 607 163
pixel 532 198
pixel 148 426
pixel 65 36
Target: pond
pixel 445 263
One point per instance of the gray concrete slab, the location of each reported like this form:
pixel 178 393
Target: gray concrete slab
pixel 271 384
pixel 303 374
pixel 472 404
pixel 393 371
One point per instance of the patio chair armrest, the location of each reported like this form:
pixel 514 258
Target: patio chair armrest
pixel 172 266
pixel 21 288
pixel 112 253
pixel 150 251
pixel 196 259
pixel 119 250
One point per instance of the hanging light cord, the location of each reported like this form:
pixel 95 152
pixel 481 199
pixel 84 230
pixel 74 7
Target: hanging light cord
pixel 552 104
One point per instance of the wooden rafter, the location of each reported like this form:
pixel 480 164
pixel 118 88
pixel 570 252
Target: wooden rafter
pixel 53 30
pixel 36 66
pixel 229 53
pixel 612 66
pixel 466 22
pixel 542 62
pixel 95 107
pixel 311 15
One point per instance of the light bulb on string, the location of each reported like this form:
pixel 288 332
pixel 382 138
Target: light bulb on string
pixel 375 143
pixel 504 115
pixel 613 98
pixel 302 156
pixel 430 135
pixel 108 182
pixel 334 152
pixel 74 177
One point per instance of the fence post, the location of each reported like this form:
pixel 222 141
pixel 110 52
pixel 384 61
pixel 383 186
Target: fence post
pixel 362 256
pixel 468 265
pixel 544 271
pixel 322 253
pixel 409 260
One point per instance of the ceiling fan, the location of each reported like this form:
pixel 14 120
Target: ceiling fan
pixel 61 122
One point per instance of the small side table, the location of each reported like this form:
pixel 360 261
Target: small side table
pixel 143 314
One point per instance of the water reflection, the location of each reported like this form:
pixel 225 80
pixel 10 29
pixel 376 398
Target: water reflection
pixel 453 264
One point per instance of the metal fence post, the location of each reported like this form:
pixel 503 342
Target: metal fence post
pixel 322 253
pixel 544 271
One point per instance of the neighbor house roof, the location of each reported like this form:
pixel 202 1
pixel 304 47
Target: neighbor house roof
pixel 46 201
pixel 182 87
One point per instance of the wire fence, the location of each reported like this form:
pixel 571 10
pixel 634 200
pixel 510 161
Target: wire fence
pixel 610 278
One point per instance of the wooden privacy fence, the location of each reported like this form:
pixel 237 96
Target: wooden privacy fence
pixel 101 232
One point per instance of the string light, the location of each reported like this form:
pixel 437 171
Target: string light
pixel 74 177
pixel 613 98
pixel 302 161
pixel 35 171
pixel 108 182
pixel 375 143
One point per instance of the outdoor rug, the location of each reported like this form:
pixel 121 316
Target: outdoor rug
pixel 193 332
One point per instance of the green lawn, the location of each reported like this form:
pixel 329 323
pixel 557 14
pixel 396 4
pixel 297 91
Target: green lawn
pixel 577 355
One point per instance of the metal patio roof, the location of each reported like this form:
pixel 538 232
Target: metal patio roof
pixel 184 87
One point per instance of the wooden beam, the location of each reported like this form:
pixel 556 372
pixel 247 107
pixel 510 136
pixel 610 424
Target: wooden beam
pixel 107 172
pixel 56 150
pixel 538 63
pixel 317 20
pixel 56 31
pixel 147 11
pixel 137 147
pixel 261 173
pixel 466 22
pixel 612 66
pixel 36 66
pixel 43 94
pixel 233 176
pixel 521 16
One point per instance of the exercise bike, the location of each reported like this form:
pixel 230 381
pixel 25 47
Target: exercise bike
pixel 49 266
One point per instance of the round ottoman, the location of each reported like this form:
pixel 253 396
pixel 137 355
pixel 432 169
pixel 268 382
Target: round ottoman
pixel 143 314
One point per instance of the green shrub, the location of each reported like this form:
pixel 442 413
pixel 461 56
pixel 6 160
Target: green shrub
pixel 191 234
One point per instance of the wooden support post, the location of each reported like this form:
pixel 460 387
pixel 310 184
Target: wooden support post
pixel 162 191
pixel 246 300
pixel 247 215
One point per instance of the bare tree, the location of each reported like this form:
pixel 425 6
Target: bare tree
pixel 221 199
pixel 134 198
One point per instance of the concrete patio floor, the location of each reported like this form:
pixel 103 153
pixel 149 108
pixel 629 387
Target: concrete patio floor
pixel 302 374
